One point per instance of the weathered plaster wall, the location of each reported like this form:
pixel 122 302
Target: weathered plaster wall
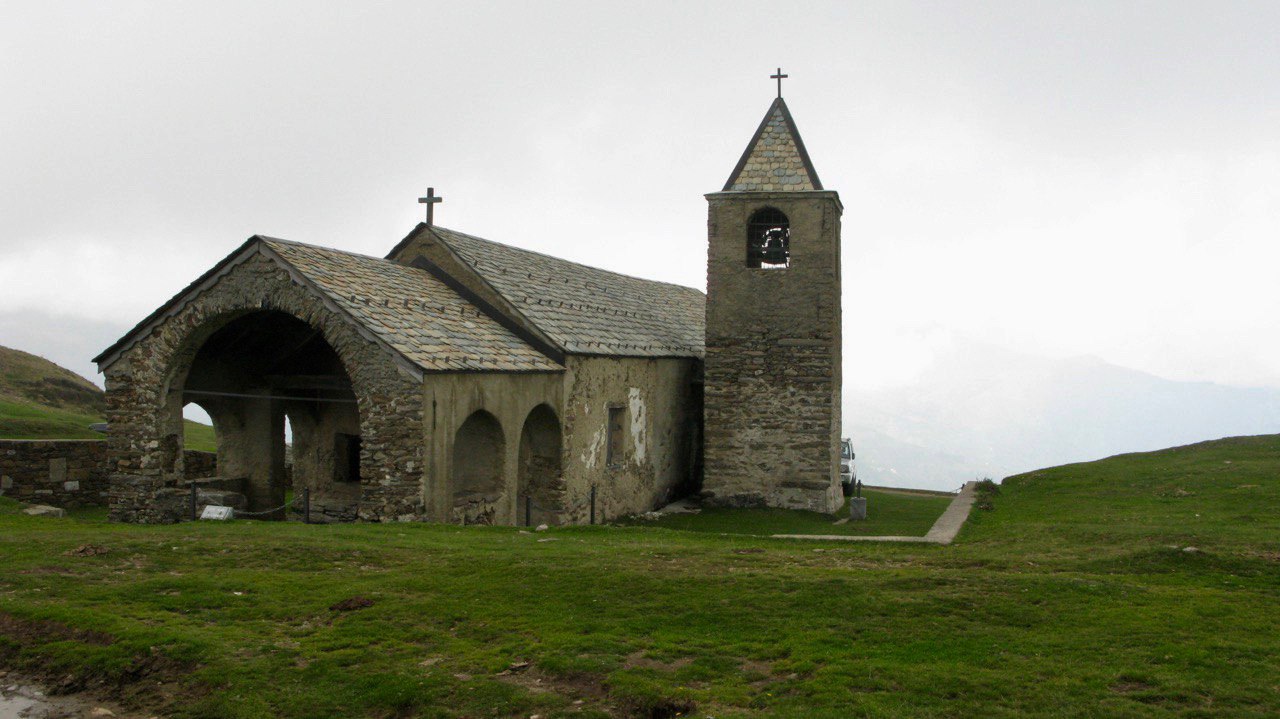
pixel 144 394
pixel 448 401
pixel 773 357
pixel 57 472
pixel 660 417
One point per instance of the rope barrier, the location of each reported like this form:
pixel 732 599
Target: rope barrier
pixel 239 513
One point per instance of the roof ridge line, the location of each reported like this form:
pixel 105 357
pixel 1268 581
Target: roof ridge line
pixel 267 238
pixel 570 262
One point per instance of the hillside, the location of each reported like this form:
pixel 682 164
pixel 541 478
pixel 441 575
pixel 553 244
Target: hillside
pixel 1142 585
pixel 40 400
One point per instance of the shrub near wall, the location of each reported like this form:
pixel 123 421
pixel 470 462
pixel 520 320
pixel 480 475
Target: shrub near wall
pixel 58 472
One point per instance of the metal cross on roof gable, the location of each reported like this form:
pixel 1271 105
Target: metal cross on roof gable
pixel 779 78
pixel 430 201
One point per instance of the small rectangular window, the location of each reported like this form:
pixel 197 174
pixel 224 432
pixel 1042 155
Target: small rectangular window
pixel 346 457
pixel 617 417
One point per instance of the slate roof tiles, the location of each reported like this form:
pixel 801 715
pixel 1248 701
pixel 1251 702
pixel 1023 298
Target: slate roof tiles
pixel 775 160
pixel 413 312
pixel 587 310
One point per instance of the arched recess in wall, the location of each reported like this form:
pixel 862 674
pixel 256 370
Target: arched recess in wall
pixel 477 479
pixel 248 370
pixel 540 482
pixel 768 239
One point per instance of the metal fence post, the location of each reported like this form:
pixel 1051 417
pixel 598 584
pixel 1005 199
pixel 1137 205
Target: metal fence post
pixel 593 504
pixel 528 510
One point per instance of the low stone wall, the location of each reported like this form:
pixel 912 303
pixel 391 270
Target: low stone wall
pixel 197 464
pixel 58 472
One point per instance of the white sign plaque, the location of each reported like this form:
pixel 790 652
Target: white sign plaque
pixel 213 511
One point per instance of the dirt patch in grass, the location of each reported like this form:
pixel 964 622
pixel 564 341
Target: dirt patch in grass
pixel 1130 687
pixel 638 659
pixel 352 604
pixel 87 550
pixel 583 691
pixel 60 571
pixel 36 631
pixel 151 682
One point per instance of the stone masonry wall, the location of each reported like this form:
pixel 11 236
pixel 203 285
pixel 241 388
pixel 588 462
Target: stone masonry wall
pixel 197 464
pixel 144 394
pixel 58 472
pixel 773 357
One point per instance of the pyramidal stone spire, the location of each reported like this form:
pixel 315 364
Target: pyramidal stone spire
pixel 775 159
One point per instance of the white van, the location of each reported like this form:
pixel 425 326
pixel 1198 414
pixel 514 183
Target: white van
pixel 847 475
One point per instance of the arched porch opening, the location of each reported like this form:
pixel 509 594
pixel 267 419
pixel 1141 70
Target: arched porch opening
pixel 477 480
pixel 248 375
pixel 540 484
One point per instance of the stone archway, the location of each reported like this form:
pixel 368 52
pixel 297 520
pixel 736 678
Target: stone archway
pixel 540 484
pixel 148 378
pixel 478 477
pixel 248 375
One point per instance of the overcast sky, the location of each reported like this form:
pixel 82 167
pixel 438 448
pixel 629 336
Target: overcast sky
pixel 1060 178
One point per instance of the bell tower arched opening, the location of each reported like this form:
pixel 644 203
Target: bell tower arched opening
pixel 768 239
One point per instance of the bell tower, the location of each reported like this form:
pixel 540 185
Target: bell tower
pixel 772 392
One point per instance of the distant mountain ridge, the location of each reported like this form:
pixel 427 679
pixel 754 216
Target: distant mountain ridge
pixel 981 411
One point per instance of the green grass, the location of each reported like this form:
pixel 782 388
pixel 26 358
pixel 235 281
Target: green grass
pixel 199 436
pixel 888 513
pixel 40 400
pixel 1072 597
pixel 25 421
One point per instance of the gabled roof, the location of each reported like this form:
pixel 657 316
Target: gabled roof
pixel 413 315
pixel 586 310
pixel 413 312
pixel 775 160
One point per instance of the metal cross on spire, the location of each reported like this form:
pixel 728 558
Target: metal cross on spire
pixel 779 78
pixel 430 201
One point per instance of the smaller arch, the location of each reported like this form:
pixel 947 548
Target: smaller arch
pixel 540 481
pixel 768 239
pixel 477 477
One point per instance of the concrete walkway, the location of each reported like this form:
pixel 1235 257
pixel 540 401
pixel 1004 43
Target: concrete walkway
pixel 943 532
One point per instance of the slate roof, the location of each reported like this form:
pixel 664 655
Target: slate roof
pixel 413 312
pixel 416 316
pixel 587 310
pixel 775 160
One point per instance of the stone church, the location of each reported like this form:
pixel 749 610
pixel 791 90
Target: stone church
pixel 465 381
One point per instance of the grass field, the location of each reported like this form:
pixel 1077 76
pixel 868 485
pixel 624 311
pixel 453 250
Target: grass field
pixel 1140 586
pixel 24 421
pixel 888 513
